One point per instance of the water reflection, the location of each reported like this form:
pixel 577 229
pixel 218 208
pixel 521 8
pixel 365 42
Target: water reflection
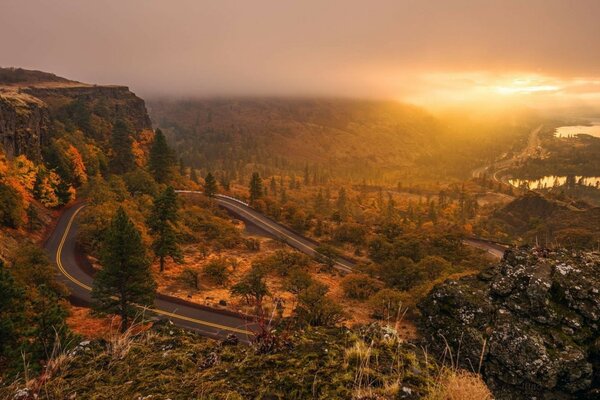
pixel 571 131
pixel 554 181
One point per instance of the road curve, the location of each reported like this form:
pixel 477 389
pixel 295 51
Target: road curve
pixel 275 229
pixel 61 245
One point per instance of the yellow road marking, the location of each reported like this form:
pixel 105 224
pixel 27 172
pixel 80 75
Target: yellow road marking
pixel 154 310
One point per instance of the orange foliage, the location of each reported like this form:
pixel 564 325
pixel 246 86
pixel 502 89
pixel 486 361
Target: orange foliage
pixel 77 165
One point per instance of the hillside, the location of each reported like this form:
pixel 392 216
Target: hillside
pixel 534 217
pixel 349 138
pixel 54 133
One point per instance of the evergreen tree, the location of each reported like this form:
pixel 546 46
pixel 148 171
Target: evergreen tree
pixel 273 186
pixel 161 158
pixel 162 224
pixel 256 187
pixel 342 203
pixel 11 311
pixel 210 185
pixel 193 175
pixel 125 278
pixel 120 143
pixel 182 168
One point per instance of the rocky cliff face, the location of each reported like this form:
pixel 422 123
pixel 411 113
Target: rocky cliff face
pixel 24 122
pixel 532 320
pixel 117 102
pixel 26 112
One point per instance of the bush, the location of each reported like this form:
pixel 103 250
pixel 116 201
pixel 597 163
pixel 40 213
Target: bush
pixel 433 266
pixel 282 262
pixel 351 233
pixel 316 308
pixel 386 303
pixel 11 207
pixel 216 271
pixel 252 244
pixel 252 287
pixel 401 273
pixel 191 277
pixel 359 286
pixel 297 281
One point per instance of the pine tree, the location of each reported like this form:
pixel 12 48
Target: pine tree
pixel 162 224
pixel 125 278
pixel 193 175
pixel 273 186
pixel 120 143
pixel 210 185
pixel 161 158
pixel 256 187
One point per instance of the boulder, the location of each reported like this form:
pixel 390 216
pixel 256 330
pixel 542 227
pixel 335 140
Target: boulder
pixel 530 324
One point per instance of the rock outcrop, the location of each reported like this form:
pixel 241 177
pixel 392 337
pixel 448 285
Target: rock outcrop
pixel 531 323
pixel 24 123
pixel 116 102
pixel 31 100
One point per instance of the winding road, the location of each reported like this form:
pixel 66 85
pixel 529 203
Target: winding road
pixel 77 274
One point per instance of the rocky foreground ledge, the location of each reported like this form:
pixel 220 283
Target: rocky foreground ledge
pixel 531 323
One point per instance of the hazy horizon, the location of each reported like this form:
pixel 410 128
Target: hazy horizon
pixel 460 52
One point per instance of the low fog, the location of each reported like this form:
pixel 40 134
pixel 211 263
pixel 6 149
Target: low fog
pixel 410 50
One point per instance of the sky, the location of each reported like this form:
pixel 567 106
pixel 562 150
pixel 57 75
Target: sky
pixel 422 51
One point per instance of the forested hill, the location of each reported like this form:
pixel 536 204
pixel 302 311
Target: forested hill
pixel 354 139
pixel 384 142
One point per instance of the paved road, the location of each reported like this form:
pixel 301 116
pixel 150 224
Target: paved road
pixel 208 322
pixel 214 323
pixel 273 228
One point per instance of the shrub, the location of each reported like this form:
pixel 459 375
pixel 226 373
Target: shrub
pixel 252 287
pixel 191 277
pixel 386 303
pixel 359 286
pixel 297 281
pixel 351 233
pixel 401 273
pixel 316 308
pixel 282 262
pixel 216 271
pixel 433 266
pixel 252 244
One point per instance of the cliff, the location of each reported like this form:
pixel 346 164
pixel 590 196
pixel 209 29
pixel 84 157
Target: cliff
pixel 32 101
pixel 24 124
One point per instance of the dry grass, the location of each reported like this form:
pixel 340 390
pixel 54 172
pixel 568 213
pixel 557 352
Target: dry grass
pixel 459 385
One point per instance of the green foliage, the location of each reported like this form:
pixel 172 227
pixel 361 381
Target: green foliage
pixel 434 266
pixel 327 255
pixel 199 224
pixel 139 181
pixel 191 277
pixel 297 281
pixel 217 271
pixel 281 262
pixel 386 304
pixel 121 142
pixel 252 287
pixel 125 278
pixel 351 233
pixel 256 187
pixel 161 158
pixel 32 308
pixel 210 185
pixel 316 308
pixel 401 273
pixel 359 286
pixel 11 312
pixel 162 223
pixel 11 207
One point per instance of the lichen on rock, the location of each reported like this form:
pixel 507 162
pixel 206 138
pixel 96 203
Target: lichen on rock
pixel 532 322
